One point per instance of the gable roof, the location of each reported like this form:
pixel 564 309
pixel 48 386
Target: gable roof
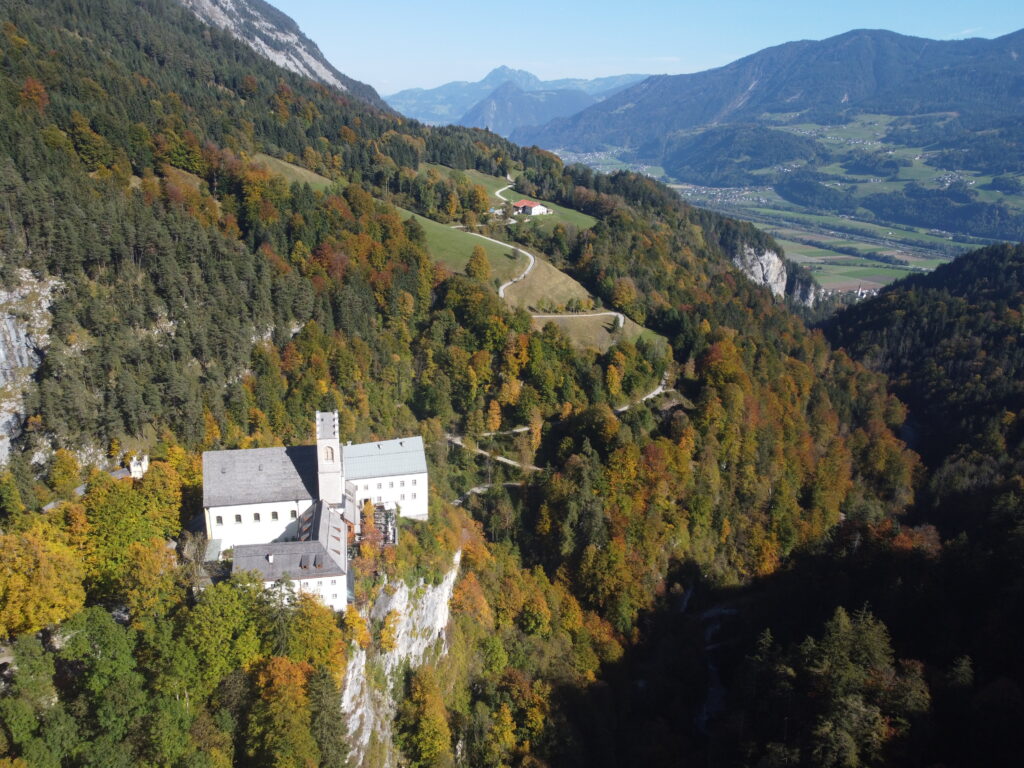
pixel 525 204
pixel 296 559
pixel 319 552
pixel 259 475
pixel 386 458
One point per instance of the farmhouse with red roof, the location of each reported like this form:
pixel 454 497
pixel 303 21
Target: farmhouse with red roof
pixel 530 208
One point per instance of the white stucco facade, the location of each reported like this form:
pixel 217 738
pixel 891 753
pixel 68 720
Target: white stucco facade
pixel 332 591
pixel 237 524
pixel 407 492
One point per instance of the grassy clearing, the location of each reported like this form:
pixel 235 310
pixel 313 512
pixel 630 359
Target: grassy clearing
pixel 562 215
pixel 185 178
pixel 491 183
pixel 546 289
pixel 598 333
pixel 293 172
pixel 453 247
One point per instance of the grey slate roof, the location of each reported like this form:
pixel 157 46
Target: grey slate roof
pixel 257 475
pixel 404 456
pixel 320 551
pixel 289 557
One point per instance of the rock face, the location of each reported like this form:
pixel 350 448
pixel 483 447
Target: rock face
pixel 420 615
pixel 769 269
pixel 277 37
pixel 24 335
pixel 764 267
pixel 804 291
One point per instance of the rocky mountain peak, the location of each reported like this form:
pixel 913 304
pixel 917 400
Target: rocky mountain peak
pixel 277 37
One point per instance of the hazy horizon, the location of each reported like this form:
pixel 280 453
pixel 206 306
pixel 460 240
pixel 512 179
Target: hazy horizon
pixel 426 48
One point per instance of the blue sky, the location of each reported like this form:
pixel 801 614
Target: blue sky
pixel 398 44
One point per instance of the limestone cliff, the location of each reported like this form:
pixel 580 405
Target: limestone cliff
pixel 419 617
pixel 764 267
pixel 768 268
pixel 24 335
pixel 277 37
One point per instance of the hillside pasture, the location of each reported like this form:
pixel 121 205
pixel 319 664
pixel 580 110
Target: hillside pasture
pixel 293 172
pixel 453 247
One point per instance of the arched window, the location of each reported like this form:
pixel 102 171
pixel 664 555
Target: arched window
pixel 328 453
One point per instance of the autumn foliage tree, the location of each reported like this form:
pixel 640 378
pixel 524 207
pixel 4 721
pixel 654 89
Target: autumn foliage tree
pixel 279 732
pixel 423 722
pixel 40 579
pixel 479 266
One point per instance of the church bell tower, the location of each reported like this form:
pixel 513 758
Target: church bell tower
pixel 331 488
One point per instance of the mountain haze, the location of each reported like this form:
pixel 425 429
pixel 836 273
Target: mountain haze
pixel 509 107
pixel 467 103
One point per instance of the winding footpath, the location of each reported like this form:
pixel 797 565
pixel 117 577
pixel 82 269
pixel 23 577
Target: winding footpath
pixel 620 321
pixel 459 440
pixel 662 387
pixel 480 489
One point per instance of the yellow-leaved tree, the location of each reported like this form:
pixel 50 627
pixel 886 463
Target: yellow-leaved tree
pixel 40 580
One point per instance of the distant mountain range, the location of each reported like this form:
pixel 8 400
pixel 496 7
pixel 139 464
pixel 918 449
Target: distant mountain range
pixel 276 36
pixel 819 81
pixel 506 99
pixel 510 107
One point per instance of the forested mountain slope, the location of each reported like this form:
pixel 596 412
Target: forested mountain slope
pixel 863 70
pixel 892 643
pixel 275 35
pixel 206 303
pixel 951 344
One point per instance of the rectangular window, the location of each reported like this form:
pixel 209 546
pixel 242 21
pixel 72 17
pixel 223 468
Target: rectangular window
pixel 378 498
pixel 414 495
pixel 273 515
pixel 334 597
pixel 238 518
pixel 294 514
pixel 414 481
pixel 220 520
pixel 402 497
pixel 334 581
pixel 379 485
pixel 391 484
pixel 366 486
pixel 255 517
pixel 402 483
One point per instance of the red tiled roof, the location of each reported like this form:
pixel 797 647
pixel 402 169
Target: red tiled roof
pixel 521 203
